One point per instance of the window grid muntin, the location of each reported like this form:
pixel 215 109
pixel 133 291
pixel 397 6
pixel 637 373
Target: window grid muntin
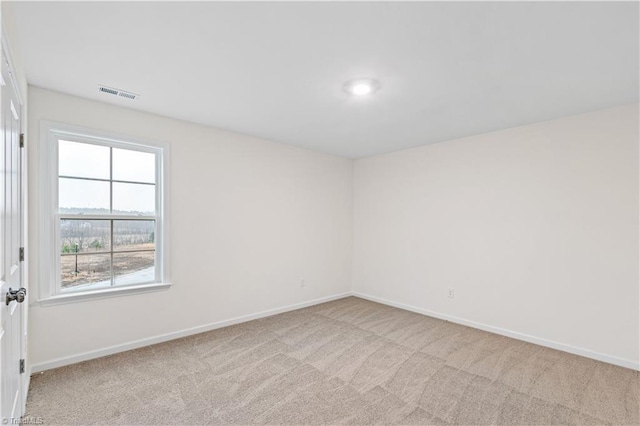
pixel 106 180
pixel 156 218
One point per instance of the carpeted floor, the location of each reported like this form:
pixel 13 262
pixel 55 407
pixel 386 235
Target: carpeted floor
pixel 349 361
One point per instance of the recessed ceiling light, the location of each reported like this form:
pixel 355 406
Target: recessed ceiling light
pixel 362 86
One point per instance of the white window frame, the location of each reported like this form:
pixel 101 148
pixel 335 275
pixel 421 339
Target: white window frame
pixel 50 280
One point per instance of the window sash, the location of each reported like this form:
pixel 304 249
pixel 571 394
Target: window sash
pixel 112 250
pixel 110 217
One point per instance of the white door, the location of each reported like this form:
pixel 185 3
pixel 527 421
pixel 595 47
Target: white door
pixel 12 293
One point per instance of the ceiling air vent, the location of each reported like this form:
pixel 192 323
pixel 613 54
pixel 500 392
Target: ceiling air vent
pixel 117 92
pixel 128 95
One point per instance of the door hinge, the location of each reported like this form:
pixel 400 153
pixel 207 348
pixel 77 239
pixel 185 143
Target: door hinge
pixel 22 366
pixel 21 140
pixel 21 254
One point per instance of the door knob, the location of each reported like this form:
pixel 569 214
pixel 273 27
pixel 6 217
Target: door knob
pixel 17 295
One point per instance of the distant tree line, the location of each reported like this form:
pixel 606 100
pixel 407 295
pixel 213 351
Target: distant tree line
pixel 84 235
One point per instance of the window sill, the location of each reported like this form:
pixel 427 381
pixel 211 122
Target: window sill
pixel 62 299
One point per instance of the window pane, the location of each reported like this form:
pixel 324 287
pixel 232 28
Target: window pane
pixel 134 234
pixel 85 236
pixel 83 160
pixel 132 198
pixel 134 268
pixel 134 166
pixel 85 271
pixel 83 196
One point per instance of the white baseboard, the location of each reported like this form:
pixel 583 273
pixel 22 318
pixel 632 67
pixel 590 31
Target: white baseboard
pixel 627 363
pixel 60 362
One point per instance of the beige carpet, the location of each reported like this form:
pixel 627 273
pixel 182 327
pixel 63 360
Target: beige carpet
pixel 345 362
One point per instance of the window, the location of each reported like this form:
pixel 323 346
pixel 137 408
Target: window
pixel 105 216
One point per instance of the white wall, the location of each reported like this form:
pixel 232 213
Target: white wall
pixel 535 227
pixel 249 219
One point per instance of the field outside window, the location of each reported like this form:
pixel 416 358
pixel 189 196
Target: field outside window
pixel 107 223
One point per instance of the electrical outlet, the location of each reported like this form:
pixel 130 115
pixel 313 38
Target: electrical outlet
pixel 302 282
pixel 451 293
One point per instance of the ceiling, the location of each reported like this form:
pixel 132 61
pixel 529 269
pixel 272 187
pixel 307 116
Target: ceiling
pixel 276 70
